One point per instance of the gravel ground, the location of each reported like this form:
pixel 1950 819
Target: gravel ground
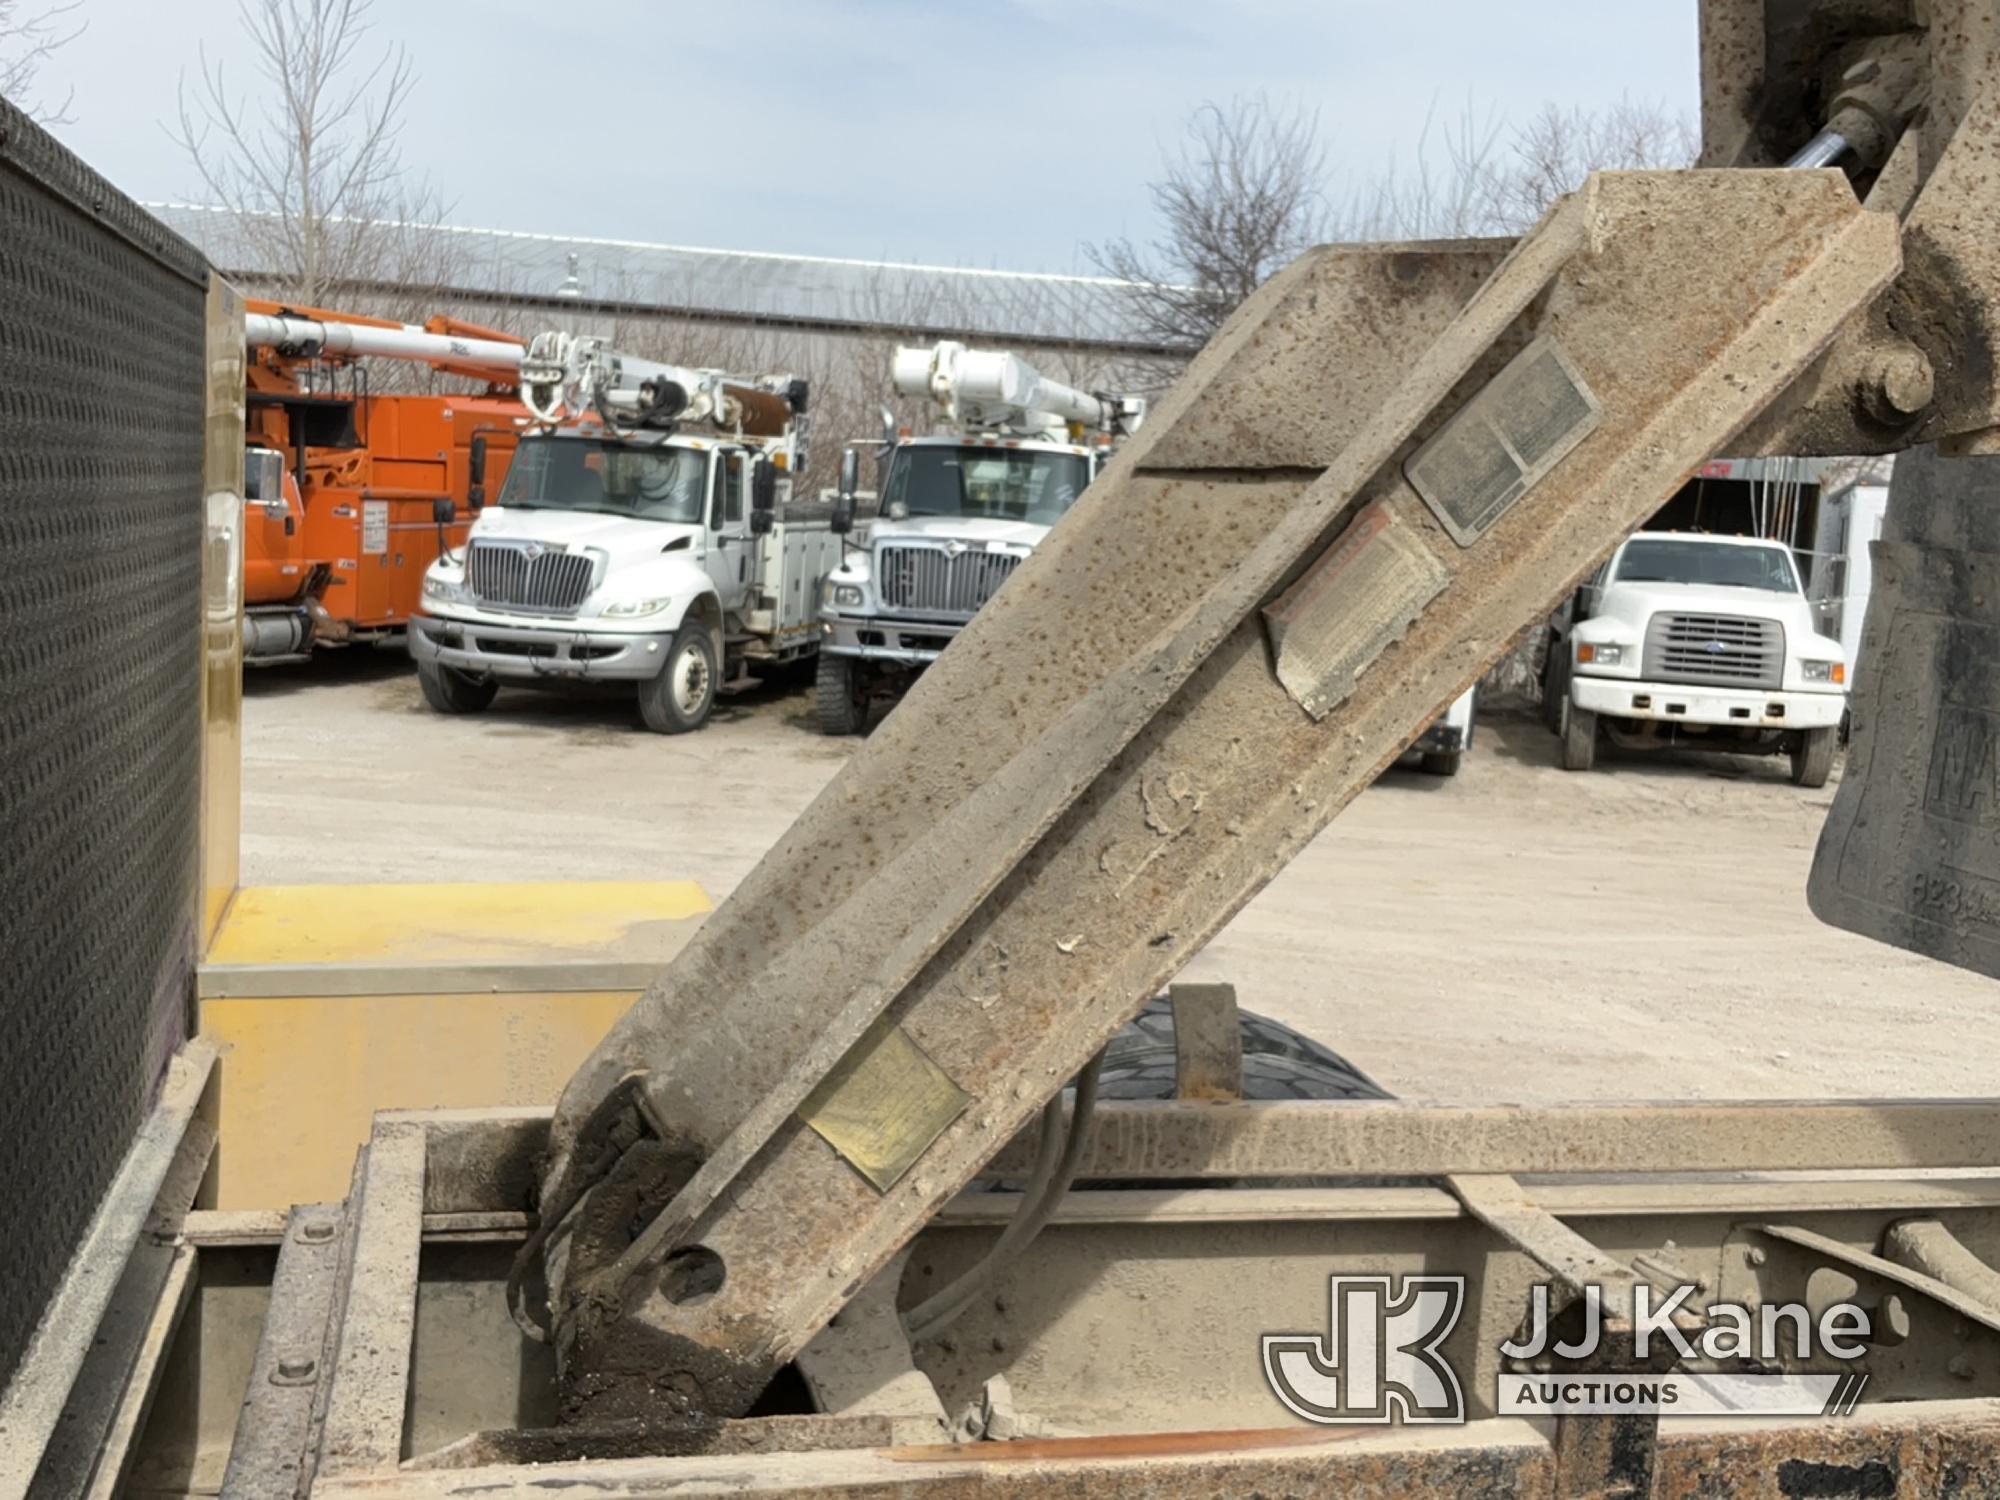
pixel 1513 933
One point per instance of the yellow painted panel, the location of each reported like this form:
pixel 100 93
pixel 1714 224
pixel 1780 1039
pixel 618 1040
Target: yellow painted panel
pixel 300 1079
pixel 441 924
pixel 222 606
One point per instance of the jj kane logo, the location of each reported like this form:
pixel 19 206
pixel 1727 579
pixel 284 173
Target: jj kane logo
pixel 1381 1360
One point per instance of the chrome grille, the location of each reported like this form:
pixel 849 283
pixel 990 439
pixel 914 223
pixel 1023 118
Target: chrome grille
pixel 1719 650
pixel 528 575
pixel 930 581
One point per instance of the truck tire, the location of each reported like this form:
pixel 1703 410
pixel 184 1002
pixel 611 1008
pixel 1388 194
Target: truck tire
pixel 1555 682
pixel 450 691
pixel 1579 737
pixel 1442 762
pixel 837 696
pixel 681 698
pixel 1278 1062
pixel 1812 757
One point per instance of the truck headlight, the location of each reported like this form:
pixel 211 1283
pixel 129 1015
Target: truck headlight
pixel 444 590
pixel 1823 671
pixel 632 609
pixel 841 595
pixel 1588 655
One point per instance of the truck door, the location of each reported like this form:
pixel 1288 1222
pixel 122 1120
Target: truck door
pixel 729 528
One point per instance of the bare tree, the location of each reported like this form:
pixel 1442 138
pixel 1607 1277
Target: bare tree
pixel 1556 150
pixel 308 162
pixel 27 38
pixel 1243 196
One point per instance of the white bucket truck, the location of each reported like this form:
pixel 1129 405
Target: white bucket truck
pixel 1699 641
pixel 641 537
pixel 960 508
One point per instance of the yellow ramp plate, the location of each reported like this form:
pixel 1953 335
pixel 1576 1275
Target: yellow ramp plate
pixel 631 921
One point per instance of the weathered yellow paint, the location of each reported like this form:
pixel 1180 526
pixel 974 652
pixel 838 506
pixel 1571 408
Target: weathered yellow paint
pixel 300 1079
pixel 221 623
pixel 442 924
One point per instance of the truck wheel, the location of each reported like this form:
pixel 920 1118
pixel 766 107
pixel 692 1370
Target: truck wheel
pixel 682 696
pixel 1278 1062
pixel 837 696
pixel 1812 757
pixel 1579 735
pixel 450 691
pixel 1555 683
pixel 1442 762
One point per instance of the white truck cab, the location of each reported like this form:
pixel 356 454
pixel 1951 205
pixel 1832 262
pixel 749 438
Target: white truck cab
pixel 653 555
pixel 959 510
pixel 1699 641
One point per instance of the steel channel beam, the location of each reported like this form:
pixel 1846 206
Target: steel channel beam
pixel 370 1371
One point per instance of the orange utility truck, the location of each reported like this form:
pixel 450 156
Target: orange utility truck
pixel 350 495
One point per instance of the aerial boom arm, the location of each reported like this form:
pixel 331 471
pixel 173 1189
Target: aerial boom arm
pixel 312 338
pixel 991 389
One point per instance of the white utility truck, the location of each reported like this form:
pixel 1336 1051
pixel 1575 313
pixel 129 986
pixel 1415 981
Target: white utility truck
pixel 1699 641
pixel 959 510
pixel 642 536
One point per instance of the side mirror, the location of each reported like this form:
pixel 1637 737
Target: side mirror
pixel 264 477
pixel 475 493
pixel 763 497
pixel 443 512
pixel 888 428
pixel 844 496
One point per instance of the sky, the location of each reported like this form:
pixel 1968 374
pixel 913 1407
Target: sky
pixel 1002 133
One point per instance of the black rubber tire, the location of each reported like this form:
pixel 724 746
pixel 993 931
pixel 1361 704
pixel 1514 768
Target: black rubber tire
pixel 837 700
pixel 450 691
pixel 1442 762
pixel 1555 682
pixel 660 705
pixel 1278 1062
pixel 1812 757
pixel 1579 738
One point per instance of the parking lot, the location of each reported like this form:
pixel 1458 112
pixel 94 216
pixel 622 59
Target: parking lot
pixel 1515 933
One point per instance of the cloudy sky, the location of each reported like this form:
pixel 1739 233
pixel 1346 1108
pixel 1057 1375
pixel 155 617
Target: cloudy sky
pixel 1004 133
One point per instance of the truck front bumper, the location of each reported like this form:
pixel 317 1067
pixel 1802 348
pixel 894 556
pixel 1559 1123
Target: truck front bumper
pixel 516 653
pixel 1682 703
pixel 905 643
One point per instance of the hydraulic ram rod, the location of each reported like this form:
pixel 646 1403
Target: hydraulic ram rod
pixel 1236 628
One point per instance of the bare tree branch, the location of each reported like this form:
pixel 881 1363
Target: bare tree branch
pixel 27 39
pixel 1241 198
pixel 308 159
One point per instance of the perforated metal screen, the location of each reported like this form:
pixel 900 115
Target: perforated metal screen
pixel 101 365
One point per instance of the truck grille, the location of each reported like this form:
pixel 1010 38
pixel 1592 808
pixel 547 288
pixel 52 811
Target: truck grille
pixel 1720 650
pixel 527 575
pixel 928 580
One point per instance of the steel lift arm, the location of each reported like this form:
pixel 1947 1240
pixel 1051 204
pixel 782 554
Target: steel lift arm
pixel 1390 461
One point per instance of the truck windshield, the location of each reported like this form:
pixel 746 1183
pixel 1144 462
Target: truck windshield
pixel 608 477
pixel 1686 560
pixel 1000 484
